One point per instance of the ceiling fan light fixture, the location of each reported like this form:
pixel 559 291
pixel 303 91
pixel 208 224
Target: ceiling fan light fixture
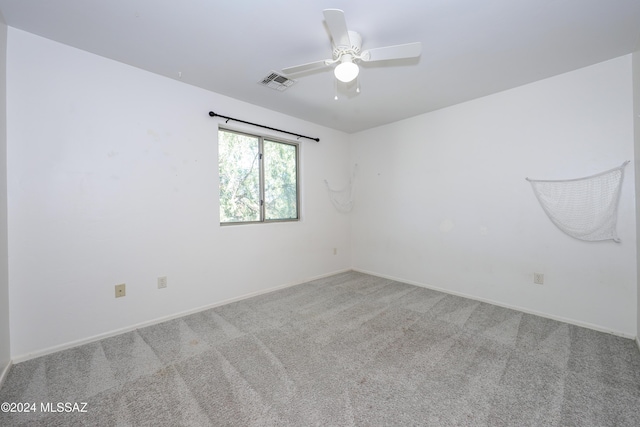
pixel 347 70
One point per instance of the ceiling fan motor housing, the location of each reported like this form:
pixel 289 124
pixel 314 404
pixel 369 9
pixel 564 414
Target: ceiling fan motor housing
pixel 354 49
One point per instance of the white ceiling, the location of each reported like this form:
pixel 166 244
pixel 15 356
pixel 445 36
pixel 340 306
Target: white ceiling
pixel 470 48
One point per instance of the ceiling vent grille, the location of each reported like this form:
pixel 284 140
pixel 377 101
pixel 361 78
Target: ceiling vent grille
pixel 277 81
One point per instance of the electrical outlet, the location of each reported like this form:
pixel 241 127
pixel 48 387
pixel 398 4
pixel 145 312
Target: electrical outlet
pixel 335 251
pixel 538 278
pixel 162 282
pixel 121 290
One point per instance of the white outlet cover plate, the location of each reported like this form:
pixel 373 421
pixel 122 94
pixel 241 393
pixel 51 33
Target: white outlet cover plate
pixel 162 282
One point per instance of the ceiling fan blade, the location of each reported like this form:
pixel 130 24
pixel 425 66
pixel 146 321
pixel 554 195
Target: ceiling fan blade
pixel 409 50
pixel 305 67
pixel 337 27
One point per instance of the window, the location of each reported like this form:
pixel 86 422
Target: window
pixel 258 178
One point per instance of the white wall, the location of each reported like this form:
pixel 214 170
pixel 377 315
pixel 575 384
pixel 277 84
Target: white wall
pixel 5 353
pixel 442 199
pixel 636 128
pixel 113 179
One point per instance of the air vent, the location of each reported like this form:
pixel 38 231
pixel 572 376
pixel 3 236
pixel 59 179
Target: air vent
pixel 277 81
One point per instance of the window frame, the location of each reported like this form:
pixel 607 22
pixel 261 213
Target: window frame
pixel 261 138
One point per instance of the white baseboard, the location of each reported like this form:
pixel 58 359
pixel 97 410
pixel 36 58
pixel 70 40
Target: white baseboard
pixel 4 373
pixel 98 337
pixel 500 304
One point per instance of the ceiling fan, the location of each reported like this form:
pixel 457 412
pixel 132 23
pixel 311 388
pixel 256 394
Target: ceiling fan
pixel 347 50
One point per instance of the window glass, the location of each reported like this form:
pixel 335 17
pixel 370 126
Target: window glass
pixel 258 178
pixel 239 165
pixel 280 180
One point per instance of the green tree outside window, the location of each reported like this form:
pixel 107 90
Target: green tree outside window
pixel 258 178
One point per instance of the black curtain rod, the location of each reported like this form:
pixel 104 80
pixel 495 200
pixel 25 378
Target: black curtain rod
pixel 212 114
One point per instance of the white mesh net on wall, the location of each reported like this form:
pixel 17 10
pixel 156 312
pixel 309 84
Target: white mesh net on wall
pixel 343 199
pixel 584 208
